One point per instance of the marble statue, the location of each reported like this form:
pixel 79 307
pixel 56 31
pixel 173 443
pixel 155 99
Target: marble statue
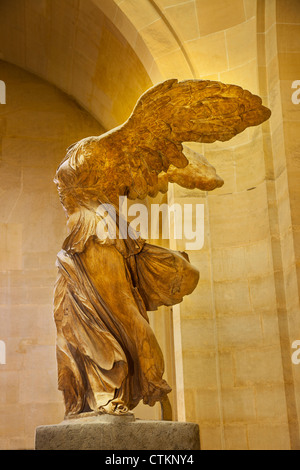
pixel 108 357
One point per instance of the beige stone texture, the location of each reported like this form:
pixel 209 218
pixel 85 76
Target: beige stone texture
pixel 244 33
pixel 239 405
pixel 244 75
pixel 86 52
pixel 251 370
pixel 250 8
pixel 288 11
pixel 183 17
pixel 268 437
pixel 11 243
pixel 40 123
pixel 211 437
pixel 174 64
pixel 208 54
pixel 144 13
pixel 217 16
pixel 288 37
pixel 236 437
pixel 99 433
pixel 157 36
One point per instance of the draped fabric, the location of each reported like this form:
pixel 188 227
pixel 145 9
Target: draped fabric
pixel 108 357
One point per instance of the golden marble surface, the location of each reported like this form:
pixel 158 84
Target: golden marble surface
pixel 108 357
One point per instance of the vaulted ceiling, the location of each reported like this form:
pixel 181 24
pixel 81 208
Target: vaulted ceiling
pixel 105 53
pixel 74 45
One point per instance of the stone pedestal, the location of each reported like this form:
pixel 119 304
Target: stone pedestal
pixel 106 432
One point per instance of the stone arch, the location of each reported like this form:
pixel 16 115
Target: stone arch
pixel 81 49
pixel 162 38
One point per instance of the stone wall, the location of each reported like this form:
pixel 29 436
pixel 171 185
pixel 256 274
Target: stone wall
pixel 37 125
pixel 237 328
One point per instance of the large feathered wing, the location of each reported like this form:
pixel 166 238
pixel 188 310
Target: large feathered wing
pixel 129 159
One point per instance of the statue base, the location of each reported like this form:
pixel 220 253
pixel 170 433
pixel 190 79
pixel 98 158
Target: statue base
pixel 110 432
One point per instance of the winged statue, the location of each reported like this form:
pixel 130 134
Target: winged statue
pixel 107 354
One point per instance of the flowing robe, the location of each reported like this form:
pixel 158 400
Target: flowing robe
pixel 108 357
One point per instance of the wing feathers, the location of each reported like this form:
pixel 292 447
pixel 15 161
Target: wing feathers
pixel 194 110
pixel 130 158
